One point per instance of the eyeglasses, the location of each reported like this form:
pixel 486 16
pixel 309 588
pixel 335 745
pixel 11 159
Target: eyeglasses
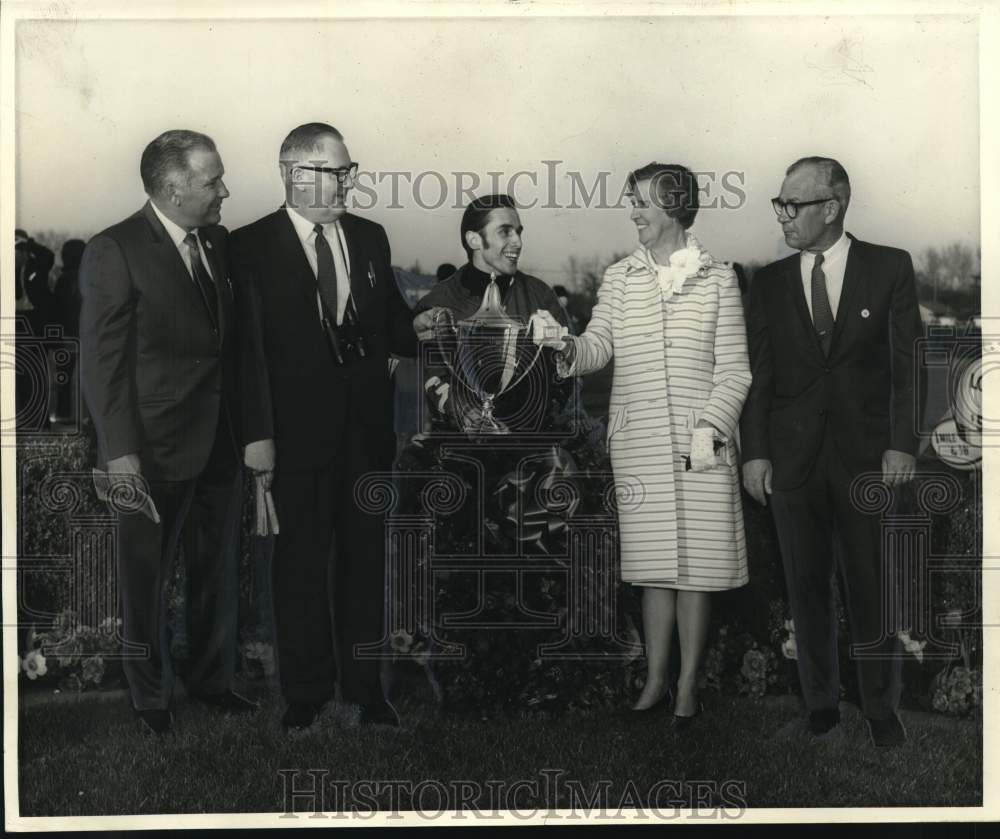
pixel 791 208
pixel 342 174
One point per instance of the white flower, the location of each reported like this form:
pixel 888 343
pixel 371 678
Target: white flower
pixel 915 648
pixel 34 664
pixel 401 641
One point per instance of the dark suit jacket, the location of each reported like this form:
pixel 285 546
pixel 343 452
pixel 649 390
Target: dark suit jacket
pixel 154 372
pixel 866 389
pixel 293 391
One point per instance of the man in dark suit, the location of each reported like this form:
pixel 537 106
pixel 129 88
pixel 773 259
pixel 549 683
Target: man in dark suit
pixel 158 369
pixel 323 314
pixel 832 331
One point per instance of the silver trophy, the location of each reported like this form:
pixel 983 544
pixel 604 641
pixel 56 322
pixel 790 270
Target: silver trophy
pixel 490 357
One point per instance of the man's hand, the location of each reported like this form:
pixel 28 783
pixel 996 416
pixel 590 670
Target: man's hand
pixel 259 457
pixel 757 479
pixel 898 467
pixel 424 323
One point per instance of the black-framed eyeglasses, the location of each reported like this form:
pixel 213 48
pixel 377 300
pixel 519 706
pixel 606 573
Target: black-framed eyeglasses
pixel 791 208
pixel 342 173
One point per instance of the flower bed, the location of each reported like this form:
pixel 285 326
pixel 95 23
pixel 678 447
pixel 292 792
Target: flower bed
pixel 751 647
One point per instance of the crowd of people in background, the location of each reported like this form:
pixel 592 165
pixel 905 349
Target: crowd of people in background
pixel 50 310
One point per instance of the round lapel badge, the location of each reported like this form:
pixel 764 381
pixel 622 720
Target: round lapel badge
pixel 865 313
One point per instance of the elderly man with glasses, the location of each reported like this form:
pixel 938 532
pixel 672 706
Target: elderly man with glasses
pixel 832 332
pixel 320 314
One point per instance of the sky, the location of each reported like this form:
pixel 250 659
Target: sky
pixel 736 99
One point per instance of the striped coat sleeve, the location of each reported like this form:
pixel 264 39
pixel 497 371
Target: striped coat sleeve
pixel 595 347
pixel 731 376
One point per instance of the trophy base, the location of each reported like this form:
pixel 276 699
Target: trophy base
pixel 490 429
pixel 487 424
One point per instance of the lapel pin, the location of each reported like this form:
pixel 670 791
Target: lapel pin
pixel 208 245
pixel 865 313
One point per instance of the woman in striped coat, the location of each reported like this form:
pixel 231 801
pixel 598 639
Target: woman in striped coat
pixel 671 316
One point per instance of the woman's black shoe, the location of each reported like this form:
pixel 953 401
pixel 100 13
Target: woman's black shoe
pixel 664 703
pixel 681 722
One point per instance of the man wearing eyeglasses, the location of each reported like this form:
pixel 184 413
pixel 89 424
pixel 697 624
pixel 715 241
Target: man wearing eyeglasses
pixel 322 313
pixel 832 331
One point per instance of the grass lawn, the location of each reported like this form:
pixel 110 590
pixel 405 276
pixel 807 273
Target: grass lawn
pixel 91 757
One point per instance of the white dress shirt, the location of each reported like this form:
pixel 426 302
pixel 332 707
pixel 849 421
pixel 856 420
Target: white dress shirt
pixel 177 234
pixel 307 236
pixel 834 265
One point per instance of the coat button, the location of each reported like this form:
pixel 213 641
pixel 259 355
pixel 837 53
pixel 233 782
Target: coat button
pixel 670 343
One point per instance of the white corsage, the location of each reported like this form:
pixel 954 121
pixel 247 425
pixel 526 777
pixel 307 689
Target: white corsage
pixel 685 263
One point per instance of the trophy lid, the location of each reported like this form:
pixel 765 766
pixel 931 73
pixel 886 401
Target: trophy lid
pixel 492 312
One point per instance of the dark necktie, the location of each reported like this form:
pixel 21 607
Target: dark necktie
pixel 203 279
pixel 822 313
pixel 326 273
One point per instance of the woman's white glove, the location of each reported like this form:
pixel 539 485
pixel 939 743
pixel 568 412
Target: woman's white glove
pixel 703 449
pixel 546 331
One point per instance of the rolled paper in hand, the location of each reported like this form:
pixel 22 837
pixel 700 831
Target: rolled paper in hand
pixel 272 513
pixel 260 523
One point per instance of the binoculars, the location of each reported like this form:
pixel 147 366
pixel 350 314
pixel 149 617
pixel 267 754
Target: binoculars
pixel 345 341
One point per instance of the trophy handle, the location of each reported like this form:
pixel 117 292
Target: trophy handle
pixel 437 337
pixel 525 372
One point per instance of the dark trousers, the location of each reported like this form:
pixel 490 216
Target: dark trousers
pixel 811 521
pixel 329 581
pixel 203 515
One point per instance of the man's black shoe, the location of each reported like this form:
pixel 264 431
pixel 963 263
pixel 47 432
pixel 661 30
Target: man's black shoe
pixel 228 701
pixel 156 720
pixel 887 732
pixel 820 722
pixel 300 715
pixel 381 713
